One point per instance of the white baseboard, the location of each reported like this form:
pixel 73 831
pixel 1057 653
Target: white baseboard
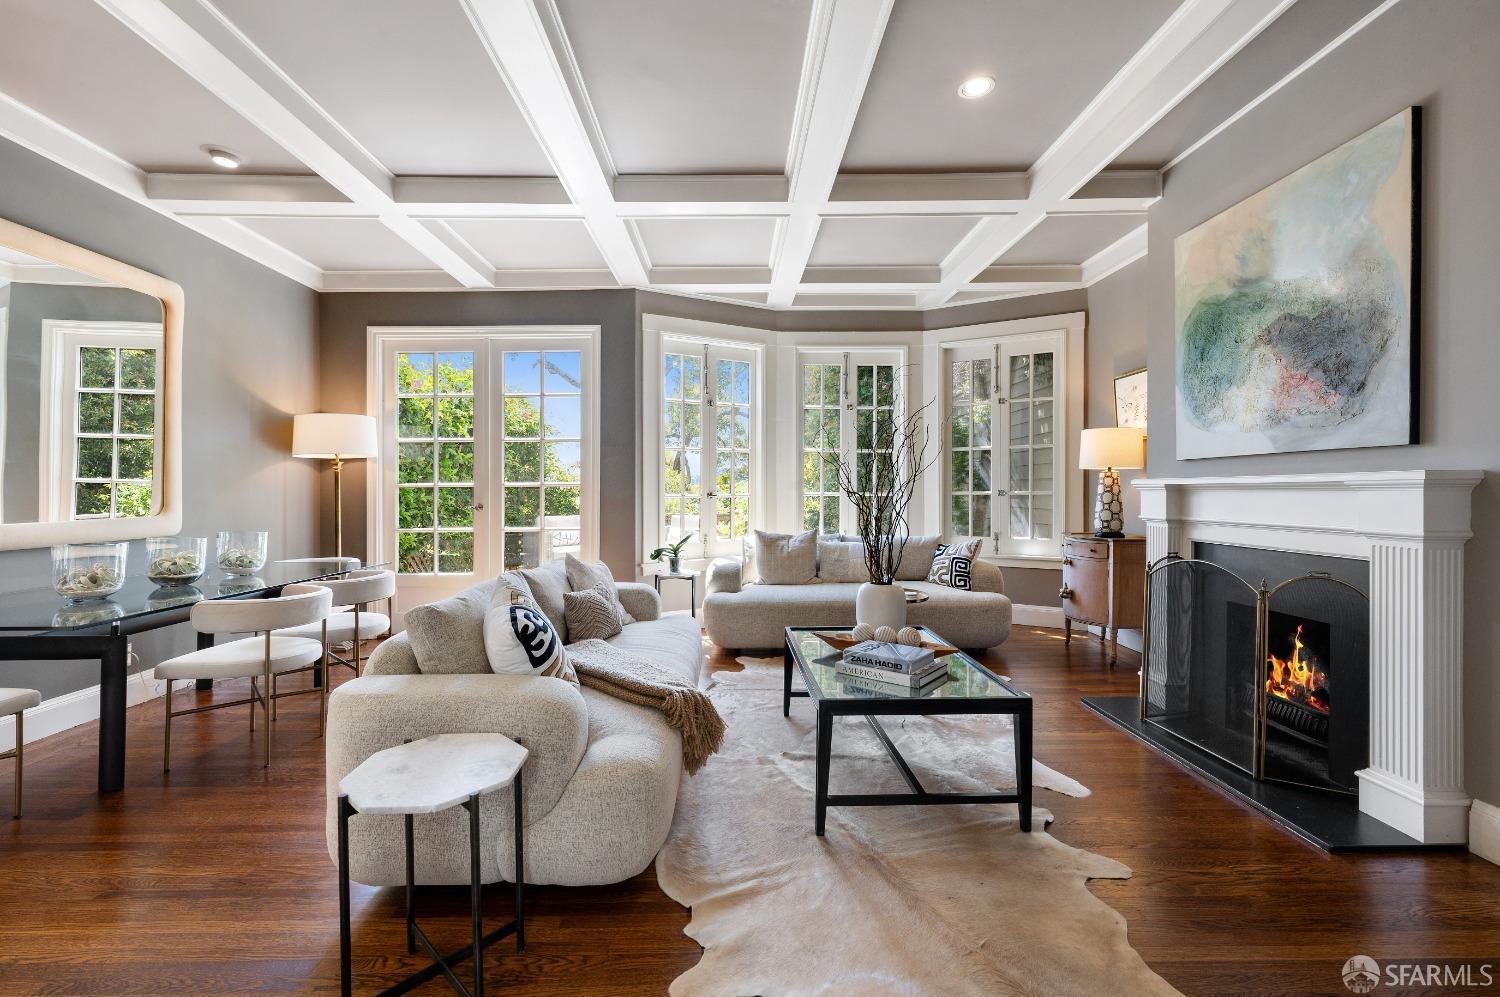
pixel 71 709
pixel 1037 616
pixel 1132 639
pixel 1484 831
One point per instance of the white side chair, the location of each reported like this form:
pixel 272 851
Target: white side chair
pixel 16 701
pixel 356 590
pixel 260 658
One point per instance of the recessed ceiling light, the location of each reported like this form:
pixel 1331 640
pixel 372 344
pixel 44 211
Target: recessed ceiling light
pixel 976 86
pixel 222 157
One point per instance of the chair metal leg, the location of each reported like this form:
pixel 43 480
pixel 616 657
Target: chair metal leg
pixel 267 703
pixel 323 671
pixel 356 640
pixel 166 741
pixel 275 708
pixel 254 701
pixel 20 757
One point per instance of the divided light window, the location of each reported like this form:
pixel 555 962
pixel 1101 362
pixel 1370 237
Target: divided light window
pixel 435 462
pixel 838 422
pixel 707 445
pixel 543 446
pixel 115 451
pixel 1003 475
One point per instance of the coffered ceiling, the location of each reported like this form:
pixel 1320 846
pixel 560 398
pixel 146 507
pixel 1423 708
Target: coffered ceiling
pixel 785 153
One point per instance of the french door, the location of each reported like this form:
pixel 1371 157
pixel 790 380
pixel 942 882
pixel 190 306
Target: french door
pixel 709 477
pixel 488 446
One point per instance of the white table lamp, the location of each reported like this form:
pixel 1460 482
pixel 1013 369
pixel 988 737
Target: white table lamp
pixel 337 437
pixel 1106 451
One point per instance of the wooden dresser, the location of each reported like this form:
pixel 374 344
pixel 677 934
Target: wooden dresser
pixel 1103 584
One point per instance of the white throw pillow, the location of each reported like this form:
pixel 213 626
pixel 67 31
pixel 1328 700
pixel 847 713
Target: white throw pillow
pixel 518 637
pixel 786 559
pixel 841 560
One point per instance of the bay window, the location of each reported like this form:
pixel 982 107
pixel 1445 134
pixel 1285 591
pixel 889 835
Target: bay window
pixel 848 401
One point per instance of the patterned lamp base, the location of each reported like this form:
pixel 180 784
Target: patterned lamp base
pixel 1109 509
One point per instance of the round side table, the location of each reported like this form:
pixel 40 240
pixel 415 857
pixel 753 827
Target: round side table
pixel 427 777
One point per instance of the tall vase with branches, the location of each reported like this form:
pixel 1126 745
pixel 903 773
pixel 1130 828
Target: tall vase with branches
pixel 880 484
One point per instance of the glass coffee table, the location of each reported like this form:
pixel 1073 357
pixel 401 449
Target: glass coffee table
pixel 969 688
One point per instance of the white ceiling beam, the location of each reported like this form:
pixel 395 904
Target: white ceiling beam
pixel 1200 36
pixel 1118 255
pixel 213 53
pixel 709 189
pixel 1137 185
pixel 843 39
pixel 66 148
pixel 525 41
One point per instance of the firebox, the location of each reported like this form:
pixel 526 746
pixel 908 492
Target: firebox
pixel 1272 678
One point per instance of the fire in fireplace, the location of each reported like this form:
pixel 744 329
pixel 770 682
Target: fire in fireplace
pixel 1296 673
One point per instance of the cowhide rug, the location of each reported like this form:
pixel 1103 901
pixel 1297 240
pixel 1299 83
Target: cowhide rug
pixel 893 900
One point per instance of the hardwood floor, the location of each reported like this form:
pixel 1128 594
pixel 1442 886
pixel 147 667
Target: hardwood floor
pixel 215 878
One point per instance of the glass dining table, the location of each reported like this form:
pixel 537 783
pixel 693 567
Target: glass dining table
pixel 37 624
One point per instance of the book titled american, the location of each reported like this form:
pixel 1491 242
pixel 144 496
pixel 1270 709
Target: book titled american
pixel 902 659
pixel 895 681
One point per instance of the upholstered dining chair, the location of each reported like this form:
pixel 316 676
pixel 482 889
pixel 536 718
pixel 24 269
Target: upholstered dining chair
pixel 260 658
pixel 354 624
pixel 16 702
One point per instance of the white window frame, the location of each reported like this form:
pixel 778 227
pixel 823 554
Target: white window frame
pixel 1064 335
pixel 848 361
pixel 58 437
pixel 663 335
pixel 383 342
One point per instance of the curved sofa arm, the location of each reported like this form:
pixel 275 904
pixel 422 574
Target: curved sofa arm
pixel 640 600
pixel 723 576
pixel 987 577
pixel 375 712
pixel 393 657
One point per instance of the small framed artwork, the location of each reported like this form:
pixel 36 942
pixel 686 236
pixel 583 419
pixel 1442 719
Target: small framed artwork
pixel 1130 399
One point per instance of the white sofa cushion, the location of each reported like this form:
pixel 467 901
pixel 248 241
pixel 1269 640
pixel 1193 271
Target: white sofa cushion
pixel 841 559
pixel 448 636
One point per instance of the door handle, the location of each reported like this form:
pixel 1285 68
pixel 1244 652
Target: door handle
pixel 478 506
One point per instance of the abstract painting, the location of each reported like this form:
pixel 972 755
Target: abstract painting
pixel 1296 308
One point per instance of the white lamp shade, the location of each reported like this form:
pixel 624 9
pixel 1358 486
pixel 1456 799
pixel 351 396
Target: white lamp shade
pixel 1113 447
pixel 333 434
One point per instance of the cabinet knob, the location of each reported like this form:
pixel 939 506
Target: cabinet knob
pixel 1065 593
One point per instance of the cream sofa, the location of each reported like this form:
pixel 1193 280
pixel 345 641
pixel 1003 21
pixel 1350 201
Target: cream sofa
pixel 600 784
pixel 738 615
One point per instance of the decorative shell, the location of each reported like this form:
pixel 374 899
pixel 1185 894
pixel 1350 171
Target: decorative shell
pixel 863 632
pixel 911 636
pixel 886 635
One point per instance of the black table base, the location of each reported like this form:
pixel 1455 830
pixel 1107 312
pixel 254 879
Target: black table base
pixel 827 710
pixel 442 964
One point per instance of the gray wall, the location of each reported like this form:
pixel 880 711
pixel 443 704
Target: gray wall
pixel 343 322
pixel 1116 344
pixel 30 306
pixel 249 363
pixel 1442 56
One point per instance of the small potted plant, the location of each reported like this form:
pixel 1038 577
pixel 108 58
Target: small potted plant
pixel 673 554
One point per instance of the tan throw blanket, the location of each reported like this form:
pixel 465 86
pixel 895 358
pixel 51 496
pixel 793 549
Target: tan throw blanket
pixel 628 676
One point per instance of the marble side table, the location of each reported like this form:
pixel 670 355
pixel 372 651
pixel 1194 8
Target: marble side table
pixel 426 777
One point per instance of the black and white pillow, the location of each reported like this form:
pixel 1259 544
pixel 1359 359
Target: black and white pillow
pixel 520 640
pixel 953 565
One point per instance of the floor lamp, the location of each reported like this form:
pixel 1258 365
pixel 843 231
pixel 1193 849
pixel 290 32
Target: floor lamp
pixel 337 437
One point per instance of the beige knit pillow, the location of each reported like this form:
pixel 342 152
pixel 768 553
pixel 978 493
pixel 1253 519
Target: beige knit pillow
pixel 784 559
pixel 584 577
pixel 592 614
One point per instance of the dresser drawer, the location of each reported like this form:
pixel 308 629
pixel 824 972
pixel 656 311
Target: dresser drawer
pixel 1084 547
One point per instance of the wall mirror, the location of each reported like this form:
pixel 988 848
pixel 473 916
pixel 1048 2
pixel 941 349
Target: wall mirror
pixel 90 421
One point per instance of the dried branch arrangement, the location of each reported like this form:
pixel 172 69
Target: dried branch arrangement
pixel 880 485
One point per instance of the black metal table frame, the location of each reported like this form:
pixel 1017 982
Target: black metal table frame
pixel 441 963
pixel 110 644
pixel 692 579
pixel 1018 707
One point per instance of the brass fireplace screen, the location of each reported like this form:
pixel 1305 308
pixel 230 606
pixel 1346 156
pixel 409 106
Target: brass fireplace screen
pixel 1273 680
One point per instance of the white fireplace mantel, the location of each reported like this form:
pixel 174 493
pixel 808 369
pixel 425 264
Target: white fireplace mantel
pixel 1411 526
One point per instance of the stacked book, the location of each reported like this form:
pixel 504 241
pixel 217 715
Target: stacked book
pixel 910 668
